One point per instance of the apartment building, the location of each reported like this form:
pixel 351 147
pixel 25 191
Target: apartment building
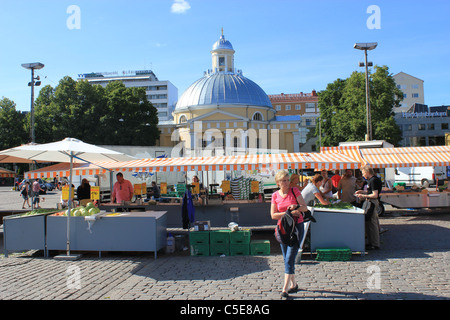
pixel 300 104
pixel 412 89
pixel 162 94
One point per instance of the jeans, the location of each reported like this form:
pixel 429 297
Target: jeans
pixel 289 253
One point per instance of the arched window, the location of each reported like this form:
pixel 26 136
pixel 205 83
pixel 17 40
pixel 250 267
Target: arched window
pixel 258 116
pixel 183 119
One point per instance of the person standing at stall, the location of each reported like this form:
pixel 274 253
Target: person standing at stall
pixel 282 200
pixel 327 185
pixel 335 179
pixel 122 190
pixel 311 191
pixel 347 187
pixel 371 206
pixel 84 190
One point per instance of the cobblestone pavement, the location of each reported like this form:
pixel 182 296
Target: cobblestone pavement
pixel 413 263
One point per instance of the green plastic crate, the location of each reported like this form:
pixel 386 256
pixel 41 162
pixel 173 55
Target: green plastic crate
pixel 260 247
pixel 220 236
pixel 240 236
pixel 239 249
pixel 200 249
pixel 333 254
pixel 218 249
pixel 199 237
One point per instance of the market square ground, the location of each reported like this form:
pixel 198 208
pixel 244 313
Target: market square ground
pixel 413 264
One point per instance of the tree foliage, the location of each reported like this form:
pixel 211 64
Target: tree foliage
pixel 113 115
pixel 12 125
pixel 342 108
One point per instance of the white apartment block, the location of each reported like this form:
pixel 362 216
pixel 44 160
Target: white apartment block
pixel 162 94
pixel 412 89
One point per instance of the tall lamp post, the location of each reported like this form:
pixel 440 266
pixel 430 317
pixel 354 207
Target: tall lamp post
pixel 33 66
pixel 365 47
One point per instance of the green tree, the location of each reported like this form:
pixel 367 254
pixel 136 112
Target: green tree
pixel 113 115
pixel 342 108
pixel 12 125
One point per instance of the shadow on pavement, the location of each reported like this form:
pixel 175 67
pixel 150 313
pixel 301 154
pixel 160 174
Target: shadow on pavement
pixel 375 295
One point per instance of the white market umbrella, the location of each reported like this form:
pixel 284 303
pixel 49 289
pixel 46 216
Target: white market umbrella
pixel 68 150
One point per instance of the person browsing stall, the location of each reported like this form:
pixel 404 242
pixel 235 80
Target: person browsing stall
pixel 84 190
pixel 347 187
pixel 371 206
pixel 123 190
pixel 282 200
pixel 311 191
pixel 327 185
pixel 154 191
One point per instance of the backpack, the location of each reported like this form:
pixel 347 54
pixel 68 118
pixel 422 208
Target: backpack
pixel 286 231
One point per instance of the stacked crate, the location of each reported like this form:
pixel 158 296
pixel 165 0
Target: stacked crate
pixel 240 243
pixel 199 243
pixel 226 242
pixel 220 242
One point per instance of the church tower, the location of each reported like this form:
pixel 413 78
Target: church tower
pixel 222 56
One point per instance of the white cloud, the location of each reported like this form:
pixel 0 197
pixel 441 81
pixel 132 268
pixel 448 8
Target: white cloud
pixel 180 6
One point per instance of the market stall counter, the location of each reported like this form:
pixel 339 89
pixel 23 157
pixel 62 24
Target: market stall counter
pixel 126 206
pixel 416 198
pixel 246 213
pixel 338 227
pixel 125 231
pixel 25 231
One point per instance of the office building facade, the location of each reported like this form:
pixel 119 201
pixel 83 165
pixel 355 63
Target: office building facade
pixel 162 94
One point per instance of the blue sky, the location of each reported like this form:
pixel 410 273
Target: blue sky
pixel 287 46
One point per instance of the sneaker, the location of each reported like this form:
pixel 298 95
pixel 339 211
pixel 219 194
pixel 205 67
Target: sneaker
pixel 293 290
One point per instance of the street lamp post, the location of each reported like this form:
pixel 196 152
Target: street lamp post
pixel 33 66
pixel 365 47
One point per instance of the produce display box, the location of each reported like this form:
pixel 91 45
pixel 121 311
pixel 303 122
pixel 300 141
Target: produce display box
pixel 24 232
pixel 199 237
pixel 334 254
pixel 218 249
pixel 220 236
pixel 200 249
pixel 239 249
pixel 241 236
pixel 260 247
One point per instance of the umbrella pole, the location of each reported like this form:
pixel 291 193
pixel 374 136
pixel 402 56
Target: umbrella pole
pixel 68 256
pixel 69 204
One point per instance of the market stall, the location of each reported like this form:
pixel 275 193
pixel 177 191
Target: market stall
pixel 125 231
pixel 385 158
pixel 248 204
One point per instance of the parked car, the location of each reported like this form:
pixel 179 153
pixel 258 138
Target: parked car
pixel 50 185
pixel 41 183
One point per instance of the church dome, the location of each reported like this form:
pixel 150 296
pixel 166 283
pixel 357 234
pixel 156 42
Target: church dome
pixel 222 44
pixel 222 88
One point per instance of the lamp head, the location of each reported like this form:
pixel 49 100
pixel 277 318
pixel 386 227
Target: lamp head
pixel 365 45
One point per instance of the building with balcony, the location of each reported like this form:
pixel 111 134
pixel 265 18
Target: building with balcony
pixel 162 94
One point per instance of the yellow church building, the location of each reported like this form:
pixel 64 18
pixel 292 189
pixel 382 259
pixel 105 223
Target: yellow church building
pixel 225 113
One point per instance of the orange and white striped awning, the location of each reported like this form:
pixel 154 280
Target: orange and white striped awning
pixel 396 157
pixel 353 152
pixel 315 161
pixel 5 173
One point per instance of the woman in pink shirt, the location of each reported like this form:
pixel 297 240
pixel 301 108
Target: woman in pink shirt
pixel 123 190
pixel 282 200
